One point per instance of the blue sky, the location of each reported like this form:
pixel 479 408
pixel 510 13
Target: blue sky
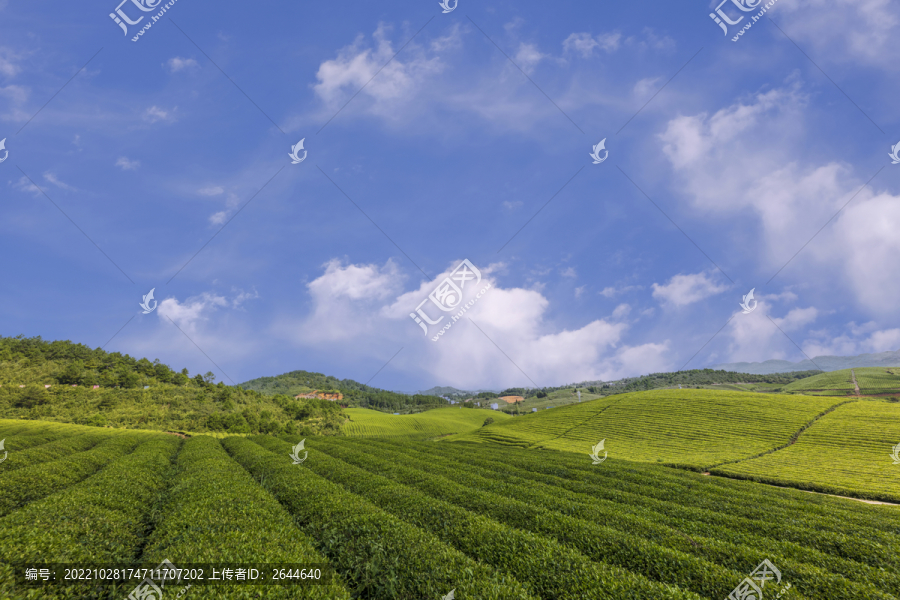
pixel 725 159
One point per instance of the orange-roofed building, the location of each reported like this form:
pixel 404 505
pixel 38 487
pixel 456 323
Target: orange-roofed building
pixel 333 396
pixel 512 399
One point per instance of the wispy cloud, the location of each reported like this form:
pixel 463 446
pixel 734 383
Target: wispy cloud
pixel 179 64
pixel 25 185
pixel 585 43
pixel 612 292
pixel 127 164
pixel 8 63
pixel 214 190
pixel 53 179
pixel 231 202
pixel 682 290
pixel 154 114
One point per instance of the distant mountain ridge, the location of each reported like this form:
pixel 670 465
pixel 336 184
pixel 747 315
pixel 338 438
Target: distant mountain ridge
pixel 451 391
pixel 825 363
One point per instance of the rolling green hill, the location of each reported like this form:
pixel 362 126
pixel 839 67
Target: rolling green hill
pixel 701 429
pixel 702 378
pixel 846 451
pixel 355 394
pixel 874 381
pixel 54 381
pixel 363 422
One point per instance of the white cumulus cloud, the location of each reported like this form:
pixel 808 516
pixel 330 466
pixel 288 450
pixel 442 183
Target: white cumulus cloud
pixel 360 310
pixel 682 290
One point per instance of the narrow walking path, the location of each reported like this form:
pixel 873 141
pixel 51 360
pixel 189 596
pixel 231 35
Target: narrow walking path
pixel 790 442
pixel 856 385
pixel 807 491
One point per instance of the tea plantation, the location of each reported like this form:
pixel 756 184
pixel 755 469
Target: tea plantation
pixel 388 517
pixel 827 444
pixel 363 422
pixel 874 381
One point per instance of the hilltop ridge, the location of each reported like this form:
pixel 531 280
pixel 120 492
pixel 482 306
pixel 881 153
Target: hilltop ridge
pixel 890 358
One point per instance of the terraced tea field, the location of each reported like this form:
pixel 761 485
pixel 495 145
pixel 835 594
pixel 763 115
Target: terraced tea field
pixel 785 440
pixel 847 450
pixel 871 380
pixel 878 380
pixel 685 427
pixel 388 518
pixel 433 423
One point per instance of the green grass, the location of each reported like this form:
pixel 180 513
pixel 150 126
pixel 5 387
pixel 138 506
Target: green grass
pixel 364 422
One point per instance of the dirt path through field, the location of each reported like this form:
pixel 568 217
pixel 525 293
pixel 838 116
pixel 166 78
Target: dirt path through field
pixel 808 491
pixel 856 385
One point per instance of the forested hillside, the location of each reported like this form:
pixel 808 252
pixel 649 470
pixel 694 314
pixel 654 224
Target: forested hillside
pixel 697 377
pixel 653 381
pixel 56 381
pixel 355 394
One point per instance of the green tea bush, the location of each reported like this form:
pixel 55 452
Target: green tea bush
pixel 671 498
pixel 550 567
pixel 380 556
pixel 658 563
pixel 101 520
pixel 215 513
pixel 54 450
pixel 31 483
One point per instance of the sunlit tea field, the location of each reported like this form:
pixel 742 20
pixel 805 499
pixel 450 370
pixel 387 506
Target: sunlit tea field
pixel 391 518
